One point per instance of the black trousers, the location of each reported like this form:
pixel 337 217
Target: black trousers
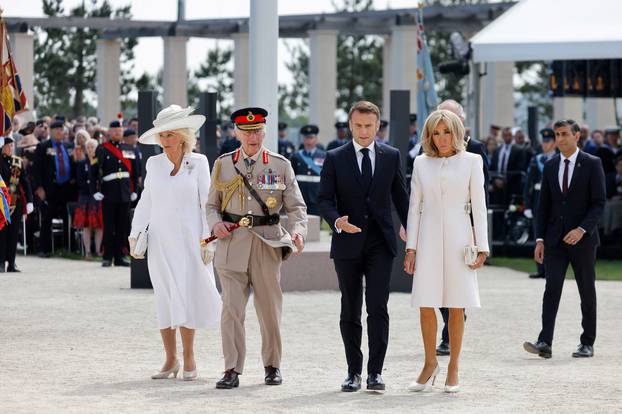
pixel 375 265
pixel 582 260
pixel 115 228
pixel 54 206
pixel 8 237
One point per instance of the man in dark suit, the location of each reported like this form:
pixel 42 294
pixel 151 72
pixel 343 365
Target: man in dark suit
pixel 475 147
pixel 508 161
pixel 572 199
pixel 358 182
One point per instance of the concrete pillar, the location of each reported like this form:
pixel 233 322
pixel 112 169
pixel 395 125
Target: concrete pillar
pixel 240 69
pixel 264 43
pixel 175 77
pixel 568 108
pixel 497 96
pixel 600 112
pixel 108 79
pixel 22 46
pixel 386 78
pixel 403 61
pixel 323 81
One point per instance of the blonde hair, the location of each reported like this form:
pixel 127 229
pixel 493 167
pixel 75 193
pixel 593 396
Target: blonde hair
pixel 84 133
pixel 454 125
pixel 189 138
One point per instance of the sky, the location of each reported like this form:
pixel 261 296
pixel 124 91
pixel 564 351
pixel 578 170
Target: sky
pixel 149 51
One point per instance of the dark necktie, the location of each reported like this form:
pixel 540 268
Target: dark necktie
pixel 61 160
pixel 503 161
pixel 366 168
pixel 565 178
pixel 249 162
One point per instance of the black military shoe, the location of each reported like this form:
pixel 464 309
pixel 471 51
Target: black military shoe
pixel 106 263
pixel 375 382
pixel 273 376
pixel 442 349
pixel 537 276
pixel 229 380
pixel 122 262
pixel 584 351
pixel 351 383
pixel 540 348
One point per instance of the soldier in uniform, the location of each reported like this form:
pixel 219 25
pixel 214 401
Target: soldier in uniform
pixel 414 131
pixel 20 203
pixel 115 181
pixel 343 133
pixel 534 178
pixel 307 164
pixel 381 135
pixel 286 148
pixel 250 186
pixel 229 141
pixel 53 171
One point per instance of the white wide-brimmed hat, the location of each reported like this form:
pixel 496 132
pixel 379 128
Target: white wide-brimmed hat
pixel 171 118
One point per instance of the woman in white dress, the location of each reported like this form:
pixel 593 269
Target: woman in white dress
pixel 172 210
pixel 447 187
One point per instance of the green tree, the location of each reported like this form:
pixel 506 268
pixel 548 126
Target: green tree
pixel 65 60
pixel 216 70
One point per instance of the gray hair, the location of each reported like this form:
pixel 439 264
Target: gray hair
pixel 453 106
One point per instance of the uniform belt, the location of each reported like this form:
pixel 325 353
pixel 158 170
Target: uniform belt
pixel 308 178
pixel 116 176
pixel 255 220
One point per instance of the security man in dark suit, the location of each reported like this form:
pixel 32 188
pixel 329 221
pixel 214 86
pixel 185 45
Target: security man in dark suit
pixel 342 136
pixel 531 194
pixel 572 199
pixel 53 171
pixel 115 182
pixel 286 148
pixel 307 164
pixel 20 203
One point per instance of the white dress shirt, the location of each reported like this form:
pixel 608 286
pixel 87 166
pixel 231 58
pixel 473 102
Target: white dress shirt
pixel 359 155
pixel 562 164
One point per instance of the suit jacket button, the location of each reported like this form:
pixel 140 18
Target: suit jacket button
pixel 366 216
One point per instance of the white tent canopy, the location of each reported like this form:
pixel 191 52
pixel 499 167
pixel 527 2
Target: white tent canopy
pixel 552 30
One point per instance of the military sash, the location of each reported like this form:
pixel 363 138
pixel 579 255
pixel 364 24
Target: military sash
pixel 118 154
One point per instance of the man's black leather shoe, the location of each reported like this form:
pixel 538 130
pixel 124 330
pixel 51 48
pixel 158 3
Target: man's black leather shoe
pixel 351 383
pixel 273 376
pixel 12 269
pixel 229 380
pixel 537 276
pixel 442 349
pixel 540 348
pixel 584 351
pixel 375 382
pixel 122 262
pixel 106 263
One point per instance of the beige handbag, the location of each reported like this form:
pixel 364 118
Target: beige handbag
pixel 141 243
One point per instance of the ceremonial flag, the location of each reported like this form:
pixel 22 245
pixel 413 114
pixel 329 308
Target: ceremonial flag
pixel 5 214
pixel 427 99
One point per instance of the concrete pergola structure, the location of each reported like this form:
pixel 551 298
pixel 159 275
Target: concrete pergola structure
pixel 398 27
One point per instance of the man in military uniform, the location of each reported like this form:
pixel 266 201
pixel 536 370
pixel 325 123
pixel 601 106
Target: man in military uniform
pixel 381 135
pixel 343 134
pixel 413 131
pixel 52 171
pixel 20 203
pixel 286 148
pixel 115 182
pixel 229 141
pixel 250 186
pixel 307 164
pixel 531 194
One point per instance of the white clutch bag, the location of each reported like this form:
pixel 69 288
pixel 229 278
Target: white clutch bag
pixel 141 243
pixel 470 255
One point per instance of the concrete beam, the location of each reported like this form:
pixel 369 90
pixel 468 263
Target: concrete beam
pixel 386 78
pixel 497 97
pixel 323 81
pixel 403 61
pixel 175 77
pixel 108 82
pixel 241 75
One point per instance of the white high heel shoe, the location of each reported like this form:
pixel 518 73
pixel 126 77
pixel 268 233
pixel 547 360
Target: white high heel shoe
pixel 166 374
pixel 416 387
pixel 452 388
pixel 190 375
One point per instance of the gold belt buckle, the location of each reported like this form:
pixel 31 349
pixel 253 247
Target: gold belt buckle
pixel 247 221
pixel 119 175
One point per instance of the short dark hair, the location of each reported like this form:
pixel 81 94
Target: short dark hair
pixel 574 127
pixel 364 107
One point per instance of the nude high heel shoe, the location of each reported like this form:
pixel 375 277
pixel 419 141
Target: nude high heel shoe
pixel 416 387
pixel 166 374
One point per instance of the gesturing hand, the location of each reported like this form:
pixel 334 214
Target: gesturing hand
pixel 221 230
pixel 343 225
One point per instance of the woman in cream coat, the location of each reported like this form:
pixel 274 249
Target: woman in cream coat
pixel 447 184
pixel 172 206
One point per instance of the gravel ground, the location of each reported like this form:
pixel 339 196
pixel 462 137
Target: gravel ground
pixel 76 339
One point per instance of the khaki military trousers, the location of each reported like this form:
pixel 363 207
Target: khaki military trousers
pixel 263 277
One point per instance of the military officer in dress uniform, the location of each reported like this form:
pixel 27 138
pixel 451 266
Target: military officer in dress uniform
pixel 381 135
pixel 249 187
pixel 343 132
pixel 286 148
pixel 115 182
pixel 307 164
pixel 531 193
pixel 53 170
pixel 20 203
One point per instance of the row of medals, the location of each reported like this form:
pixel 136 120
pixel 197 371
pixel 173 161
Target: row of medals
pixel 271 201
